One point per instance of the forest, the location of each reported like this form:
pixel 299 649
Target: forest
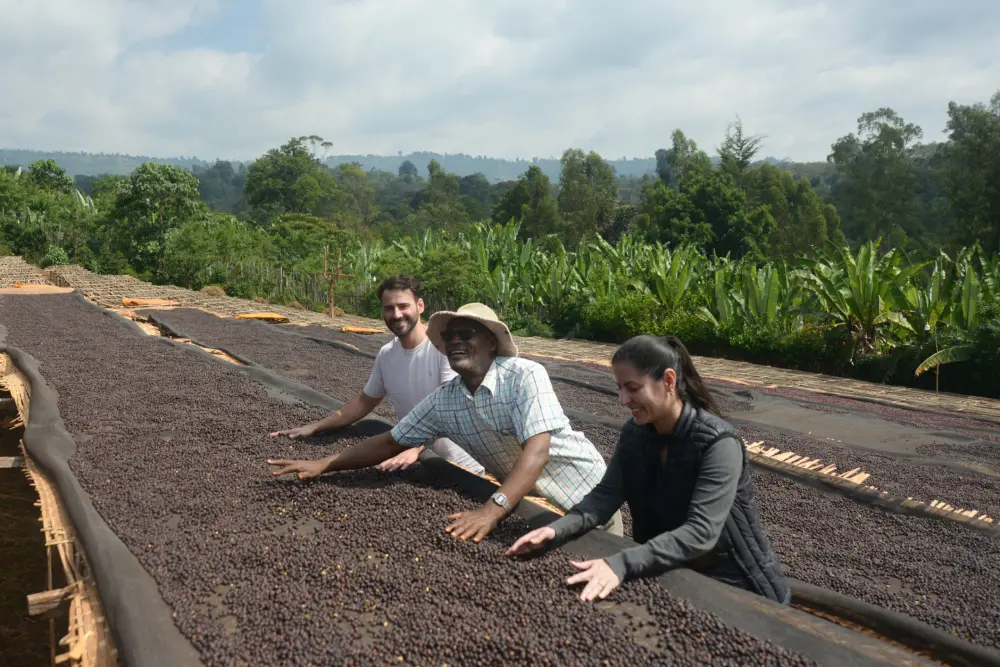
pixel 882 263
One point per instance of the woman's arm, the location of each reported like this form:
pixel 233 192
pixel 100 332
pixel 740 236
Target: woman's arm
pixel 714 493
pixel 597 507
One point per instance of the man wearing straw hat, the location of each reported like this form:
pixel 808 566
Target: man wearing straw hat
pixel 502 410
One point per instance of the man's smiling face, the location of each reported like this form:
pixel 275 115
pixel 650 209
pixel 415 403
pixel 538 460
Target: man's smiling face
pixel 469 345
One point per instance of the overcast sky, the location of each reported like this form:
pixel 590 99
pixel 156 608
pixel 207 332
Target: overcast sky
pixel 504 78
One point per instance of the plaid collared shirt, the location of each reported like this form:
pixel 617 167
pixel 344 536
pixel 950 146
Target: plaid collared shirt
pixel 515 402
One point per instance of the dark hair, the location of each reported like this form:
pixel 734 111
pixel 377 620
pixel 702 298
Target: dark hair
pixel 399 283
pixel 652 356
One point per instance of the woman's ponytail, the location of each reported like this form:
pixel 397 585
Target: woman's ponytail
pixel 690 386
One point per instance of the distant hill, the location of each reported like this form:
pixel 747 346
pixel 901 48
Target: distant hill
pixel 495 169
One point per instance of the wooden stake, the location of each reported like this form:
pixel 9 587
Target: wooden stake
pixel 331 278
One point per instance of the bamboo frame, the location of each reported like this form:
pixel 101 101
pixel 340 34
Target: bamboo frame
pixel 87 642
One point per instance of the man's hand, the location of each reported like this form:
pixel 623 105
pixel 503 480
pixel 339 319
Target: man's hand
pixel 600 578
pixel 305 469
pixel 532 541
pixel 475 525
pixel 401 461
pixel 301 432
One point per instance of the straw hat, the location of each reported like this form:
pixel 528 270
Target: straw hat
pixel 480 313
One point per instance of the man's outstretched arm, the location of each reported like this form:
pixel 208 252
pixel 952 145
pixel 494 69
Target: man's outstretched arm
pixel 522 479
pixel 356 408
pixel 369 452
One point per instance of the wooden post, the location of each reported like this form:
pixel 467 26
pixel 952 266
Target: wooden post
pixel 331 278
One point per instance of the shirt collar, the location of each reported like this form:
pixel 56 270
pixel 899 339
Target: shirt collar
pixel 490 381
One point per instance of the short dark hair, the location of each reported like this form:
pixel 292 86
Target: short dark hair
pixel 399 283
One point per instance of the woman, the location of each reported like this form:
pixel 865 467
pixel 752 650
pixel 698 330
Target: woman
pixel 683 472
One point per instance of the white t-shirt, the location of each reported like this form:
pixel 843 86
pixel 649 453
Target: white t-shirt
pixel 407 376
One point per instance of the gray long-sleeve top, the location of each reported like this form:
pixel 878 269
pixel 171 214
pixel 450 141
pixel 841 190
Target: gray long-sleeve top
pixel 711 502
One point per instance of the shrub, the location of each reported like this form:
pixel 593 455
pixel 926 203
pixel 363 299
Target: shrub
pixel 698 335
pixel 54 257
pixel 615 319
pixel 449 278
pixel 529 325
pixel 213 290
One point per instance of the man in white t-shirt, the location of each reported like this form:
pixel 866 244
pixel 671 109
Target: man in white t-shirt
pixel 407 370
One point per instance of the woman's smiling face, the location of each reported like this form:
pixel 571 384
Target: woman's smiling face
pixel 646 397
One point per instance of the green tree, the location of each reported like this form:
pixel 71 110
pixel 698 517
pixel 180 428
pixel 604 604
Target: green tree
pixel 359 195
pixel 154 199
pixel 437 206
pixel 588 192
pixel 683 157
pixel 708 211
pixel 408 171
pixel 291 179
pixel 221 186
pixel 201 252
pixel 738 151
pixel 531 202
pixel 802 220
pixel 476 196
pixel 48 175
pixel 971 171
pixel 874 186
pixel 301 237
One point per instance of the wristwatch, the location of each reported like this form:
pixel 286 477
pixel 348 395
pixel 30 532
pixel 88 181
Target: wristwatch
pixel 501 500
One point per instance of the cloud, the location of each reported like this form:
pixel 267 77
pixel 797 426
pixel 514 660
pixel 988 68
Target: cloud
pixel 231 78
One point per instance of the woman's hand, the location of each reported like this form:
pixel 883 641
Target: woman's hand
pixel 532 541
pixel 600 578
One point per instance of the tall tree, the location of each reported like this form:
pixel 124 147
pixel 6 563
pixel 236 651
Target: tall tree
pixel 802 220
pixel 291 179
pixel 971 170
pixel 707 210
pixel 588 192
pixel 155 199
pixel 738 151
pixel 683 157
pixel 437 206
pixel 476 196
pixel 409 171
pixel 530 201
pixel 48 175
pixel 874 186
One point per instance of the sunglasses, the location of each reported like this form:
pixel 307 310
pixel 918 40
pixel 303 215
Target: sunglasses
pixel 465 334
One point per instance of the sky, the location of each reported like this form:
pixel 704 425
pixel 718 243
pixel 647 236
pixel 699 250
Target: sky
pixel 502 78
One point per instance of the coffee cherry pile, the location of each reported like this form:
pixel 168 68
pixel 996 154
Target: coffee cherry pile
pixel 324 368
pixel 934 587
pixel 353 568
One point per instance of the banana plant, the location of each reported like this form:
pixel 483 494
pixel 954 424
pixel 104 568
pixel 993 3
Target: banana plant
pixel 668 275
pixel 929 305
pixel 965 300
pixel 864 292
pixel 989 271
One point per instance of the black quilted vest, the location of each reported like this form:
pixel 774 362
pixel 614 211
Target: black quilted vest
pixel 743 556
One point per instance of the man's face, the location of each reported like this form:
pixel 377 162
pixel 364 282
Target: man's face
pixel 469 345
pixel 401 311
